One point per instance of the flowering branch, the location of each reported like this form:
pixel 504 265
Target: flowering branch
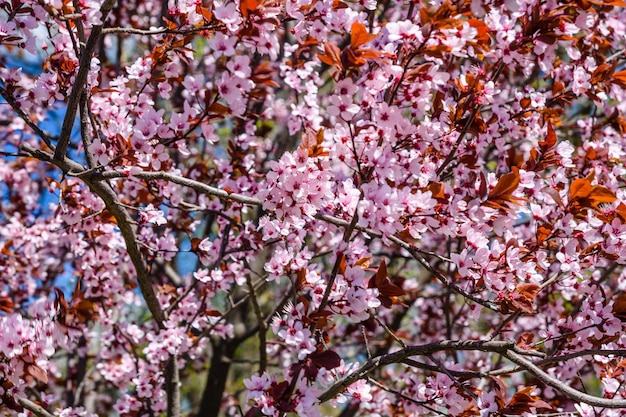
pixel 79 82
pixel 402 354
pixel 558 385
pixel 124 222
pixel 507 349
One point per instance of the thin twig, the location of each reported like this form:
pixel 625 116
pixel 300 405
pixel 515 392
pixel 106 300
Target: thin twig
pixel 261 325
pixel 159 31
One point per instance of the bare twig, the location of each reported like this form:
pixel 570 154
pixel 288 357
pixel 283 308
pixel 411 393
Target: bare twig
pixel 159 31
pixel 261 325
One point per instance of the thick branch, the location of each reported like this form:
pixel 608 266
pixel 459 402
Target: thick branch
pixel 401 355
pixel 508 349
pixel 574 394
pixel 34 408
pixel 172 376
pixel 124 222
pixel 79 83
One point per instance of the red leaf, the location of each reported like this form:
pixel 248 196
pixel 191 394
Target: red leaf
pixel 619 307
pixel 500 196
pixel 332 55
pixel 523 401
pixel 387 291
pixel 6 304
pixel 37 373
pixel 381 275
pixel 580 188
pixel 483 31
pixel 218 108
pixel 359 35
pixel 544 230
pixel 248 7
pixel 327 359
pixel 620 78
pixel 550 139
pixel 524 296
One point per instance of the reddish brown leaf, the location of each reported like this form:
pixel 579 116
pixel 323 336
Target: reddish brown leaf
pixel 218 108
pixel 312 141
pixel 600 194
pixel 387 291
pixel 212 313
pixel 550 140
pixel 363 262
pixel 554 194
pixel 437 190
pixel 206 13
pixel 524 295
pixel 619 306
pixel 381 275
pixel 359 35
pixel 332 55
pixel 482 188
pixel 482 37
pixel 6 304
pixel 248 7
pixel 500 196
pixel 620 78
pixel 525 340
pixel 583 196
pixel 523 402
pixel 37 373
pixel 194 243
pixel 580 188
pixel 544 230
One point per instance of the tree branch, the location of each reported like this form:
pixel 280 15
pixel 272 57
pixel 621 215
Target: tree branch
pixel 573 393
pixel 508 349
pixel 36 409
pixel 124 222
pixel 79 83
pixel 401 355
pixel 159 31
pixel 172 386
pixel 240 198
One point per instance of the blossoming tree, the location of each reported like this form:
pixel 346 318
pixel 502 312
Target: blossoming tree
pixel 327 207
